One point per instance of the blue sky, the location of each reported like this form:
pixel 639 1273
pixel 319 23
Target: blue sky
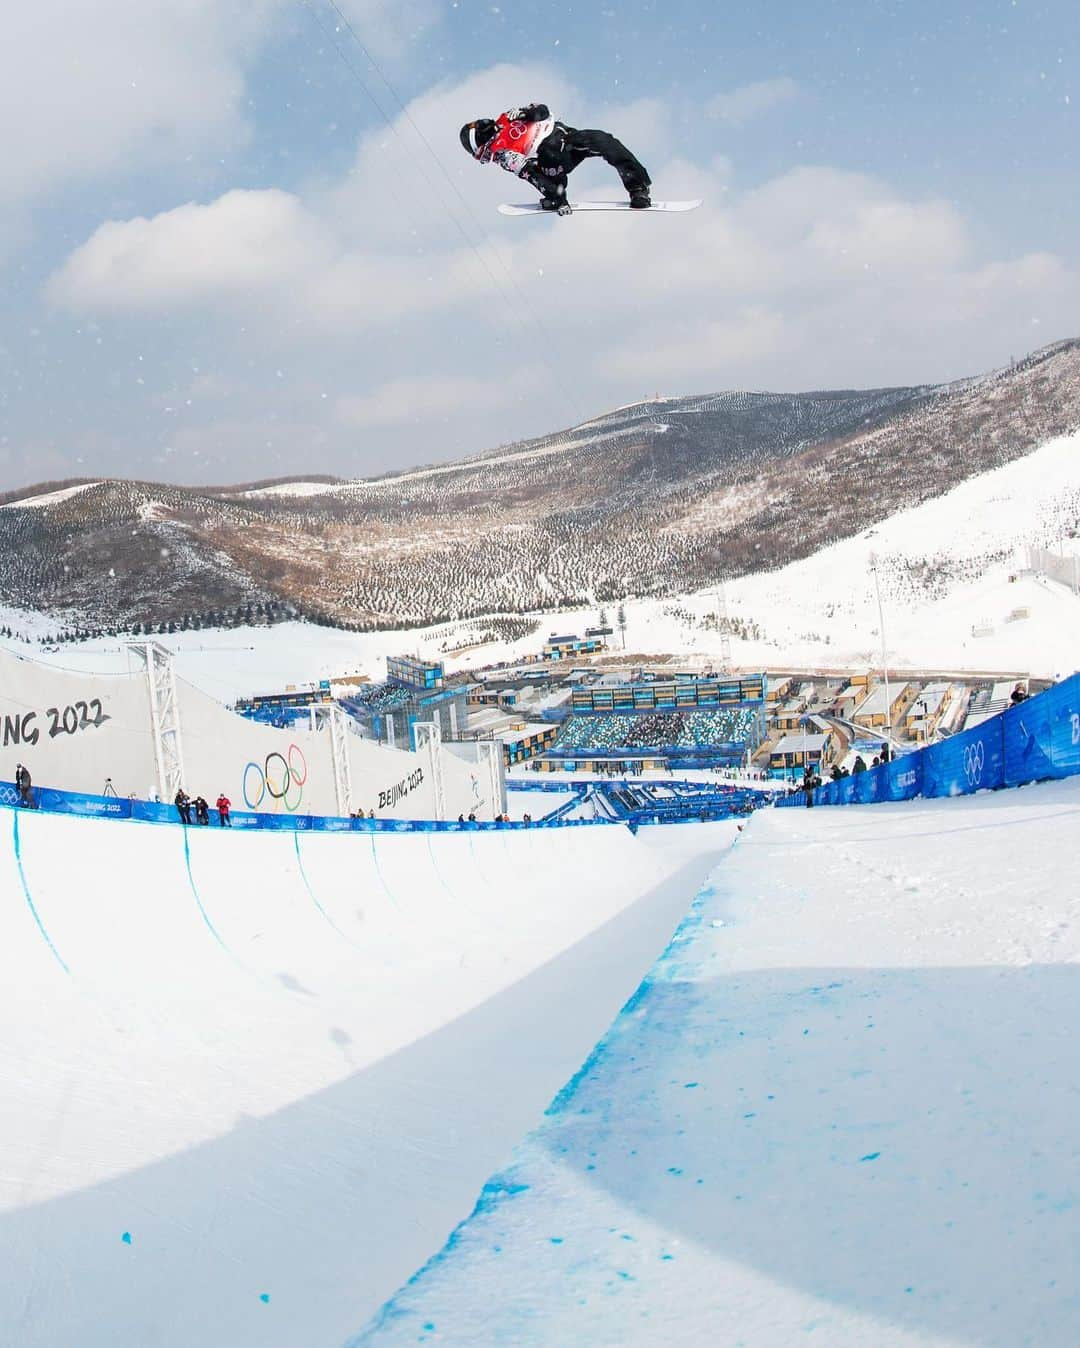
pixel 220 263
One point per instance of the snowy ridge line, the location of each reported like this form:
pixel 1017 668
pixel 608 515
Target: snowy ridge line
pixel 375 485
pixel 1035 740
pixel 722 492
pixel 48 498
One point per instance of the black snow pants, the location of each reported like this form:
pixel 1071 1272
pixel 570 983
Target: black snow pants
pixel 559 153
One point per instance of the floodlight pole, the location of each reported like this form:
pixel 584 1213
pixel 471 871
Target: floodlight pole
pixel 722 623
pixel 884 659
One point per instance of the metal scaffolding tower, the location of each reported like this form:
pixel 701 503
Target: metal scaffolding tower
pixel 429 738
pixel 492 750
pixel 330 714
pixel 164 715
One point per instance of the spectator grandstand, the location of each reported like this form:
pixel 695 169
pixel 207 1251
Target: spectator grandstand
pixel 723 727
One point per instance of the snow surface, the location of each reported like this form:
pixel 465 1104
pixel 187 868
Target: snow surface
pixel 48 498
pixel 843 1108
pixel 297 489
pixel 250 1081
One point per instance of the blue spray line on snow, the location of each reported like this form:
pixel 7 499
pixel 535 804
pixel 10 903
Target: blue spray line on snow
pixel 382 878
pixel 494 1193
pixel 476 862
pixel 195 892
pixel 439 875
pixel 26 893
pixel 311 892
pixel 505 1185
pixel 451 894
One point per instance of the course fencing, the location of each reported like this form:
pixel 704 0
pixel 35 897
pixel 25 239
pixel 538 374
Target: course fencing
pixel 151 812
pixel 1036 740
pixel 692 804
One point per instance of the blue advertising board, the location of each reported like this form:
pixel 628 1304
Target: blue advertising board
pixel 971 761
pixel 53 801
pixel 1042 735
pixel 1036 740
pixel 903 777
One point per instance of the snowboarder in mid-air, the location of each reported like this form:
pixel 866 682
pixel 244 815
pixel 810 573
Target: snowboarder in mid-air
pixel 530 143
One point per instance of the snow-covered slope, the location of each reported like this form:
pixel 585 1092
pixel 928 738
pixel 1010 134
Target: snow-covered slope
pixel 654 500
pixel 842 1109
pixel 48 498
pixel 251 1081
pixel 945 568
pixel 952 573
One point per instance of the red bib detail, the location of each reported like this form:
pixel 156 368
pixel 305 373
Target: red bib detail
pixel 520 137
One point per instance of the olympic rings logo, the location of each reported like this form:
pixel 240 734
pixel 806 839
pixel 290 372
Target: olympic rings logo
pixel 974 762
pixel 281 778
pixel 516 130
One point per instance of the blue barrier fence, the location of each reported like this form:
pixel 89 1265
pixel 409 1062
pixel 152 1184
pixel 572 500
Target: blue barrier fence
pixel 118 807
pixel 1037 740
pixel 692 805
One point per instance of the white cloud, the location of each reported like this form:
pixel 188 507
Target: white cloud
pixel 386 28
pixel 244 244
pixel 737 106
pixel 89 88
pixel 421 400
pixel 681 351
pixel 96 89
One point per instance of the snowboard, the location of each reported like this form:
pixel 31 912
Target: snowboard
pixel 533 207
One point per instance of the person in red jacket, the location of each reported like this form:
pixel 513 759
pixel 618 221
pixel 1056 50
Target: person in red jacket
pixel 224 805
pixel 530 143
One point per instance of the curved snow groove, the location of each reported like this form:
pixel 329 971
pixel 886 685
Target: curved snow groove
pixel 311 893
pixel 185 1135
pixel 16 844
pixel 198 899
pixel 379 873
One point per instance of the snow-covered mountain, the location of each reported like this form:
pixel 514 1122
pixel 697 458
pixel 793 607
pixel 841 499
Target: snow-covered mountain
pixel 654 500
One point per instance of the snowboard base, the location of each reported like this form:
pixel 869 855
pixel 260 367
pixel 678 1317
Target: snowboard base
pixel 534 208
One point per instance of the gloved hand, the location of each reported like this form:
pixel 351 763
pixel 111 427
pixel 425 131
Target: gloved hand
pixel 565 209
pixel 529 112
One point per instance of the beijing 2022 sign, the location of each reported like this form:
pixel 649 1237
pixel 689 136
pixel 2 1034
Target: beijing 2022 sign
pixel 27 727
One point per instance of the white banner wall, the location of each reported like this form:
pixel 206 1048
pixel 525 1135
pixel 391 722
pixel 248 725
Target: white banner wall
pixel 258 767
pixel 74 730
pixel 394 783
pixel 468 785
